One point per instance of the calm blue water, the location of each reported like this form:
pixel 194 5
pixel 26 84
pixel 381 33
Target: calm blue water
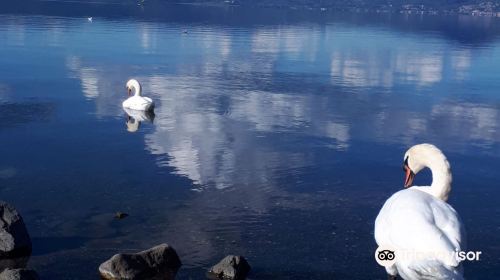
pixel 278 134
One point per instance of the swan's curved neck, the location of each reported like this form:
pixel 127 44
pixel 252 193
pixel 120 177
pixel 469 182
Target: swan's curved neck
pixel 441 177
pixel 137 88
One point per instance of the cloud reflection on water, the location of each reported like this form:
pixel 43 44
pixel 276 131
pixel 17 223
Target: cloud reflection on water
pixel 368 70
pixel 205 144
pixel 212 110
pixel 478 122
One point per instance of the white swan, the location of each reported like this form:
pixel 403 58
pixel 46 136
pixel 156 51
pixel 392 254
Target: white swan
pixel 418 220
pixel 137 102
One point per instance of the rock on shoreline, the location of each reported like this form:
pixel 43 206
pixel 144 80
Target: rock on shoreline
pixel 19 274
pixel 230 268
pixel 159 262
pixel 14 238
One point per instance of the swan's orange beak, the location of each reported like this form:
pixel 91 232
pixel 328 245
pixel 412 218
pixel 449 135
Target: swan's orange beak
pixel 409 176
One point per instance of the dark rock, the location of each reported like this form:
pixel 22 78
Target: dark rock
pixel 120 215
pixel 231 267
pixel 13 263
pixel 159 263
pixel 14 238
pixel 19 274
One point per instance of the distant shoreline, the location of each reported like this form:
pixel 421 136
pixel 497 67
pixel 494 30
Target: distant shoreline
pixel 486 9
pixel 406 9
pixel 470 10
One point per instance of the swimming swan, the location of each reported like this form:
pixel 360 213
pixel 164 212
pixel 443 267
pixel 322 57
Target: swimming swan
pixel 417 220
pixel 137 102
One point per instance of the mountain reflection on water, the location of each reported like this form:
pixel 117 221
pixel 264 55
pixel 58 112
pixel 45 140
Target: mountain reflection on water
pixel 277 138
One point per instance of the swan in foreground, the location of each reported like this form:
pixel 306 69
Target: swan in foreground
pixel 137 102
pixel 418 221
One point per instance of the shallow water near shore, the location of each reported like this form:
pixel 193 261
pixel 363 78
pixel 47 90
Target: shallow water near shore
pixel 277 134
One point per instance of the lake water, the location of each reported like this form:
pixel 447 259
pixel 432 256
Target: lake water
pixel 277 135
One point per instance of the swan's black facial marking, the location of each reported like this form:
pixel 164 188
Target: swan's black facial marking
pixel 405 164
pixel 409 174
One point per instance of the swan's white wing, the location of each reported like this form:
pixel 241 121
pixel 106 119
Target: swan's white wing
pixel 138 103
pixel 448 221
pixel 414 221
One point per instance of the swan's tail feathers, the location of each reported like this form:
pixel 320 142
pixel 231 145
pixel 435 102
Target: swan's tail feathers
pixel 434 269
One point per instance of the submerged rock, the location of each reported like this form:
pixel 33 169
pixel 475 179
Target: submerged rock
pixel 160 262
pixel 231 268
pixel 120 215
pixel 19 274
pixel 14 238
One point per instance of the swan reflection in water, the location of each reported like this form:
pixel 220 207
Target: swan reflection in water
pixel 135 117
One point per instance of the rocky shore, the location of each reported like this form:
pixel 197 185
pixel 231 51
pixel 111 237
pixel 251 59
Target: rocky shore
pixel 157 263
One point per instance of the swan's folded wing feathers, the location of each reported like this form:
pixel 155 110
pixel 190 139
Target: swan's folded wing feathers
pixel 413 220
pixel 448 221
